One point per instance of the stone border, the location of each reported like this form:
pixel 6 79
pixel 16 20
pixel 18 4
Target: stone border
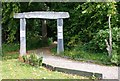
pixel 72 71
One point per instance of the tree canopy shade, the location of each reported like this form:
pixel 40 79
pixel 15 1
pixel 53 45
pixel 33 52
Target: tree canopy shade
pixel 43 15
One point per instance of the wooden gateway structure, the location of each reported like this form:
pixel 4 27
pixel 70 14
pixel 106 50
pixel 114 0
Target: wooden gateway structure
pixel 42 15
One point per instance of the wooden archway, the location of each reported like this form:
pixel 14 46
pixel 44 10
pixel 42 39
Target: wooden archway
pixel 42 15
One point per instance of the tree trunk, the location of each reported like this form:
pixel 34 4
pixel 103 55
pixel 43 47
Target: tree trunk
pixel 110 37
pixel 109 45
pixel 44 31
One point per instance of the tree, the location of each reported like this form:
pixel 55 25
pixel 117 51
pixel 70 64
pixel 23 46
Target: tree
pixel 109 45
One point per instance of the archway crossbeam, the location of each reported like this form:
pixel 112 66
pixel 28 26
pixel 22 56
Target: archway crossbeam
pixel 42 15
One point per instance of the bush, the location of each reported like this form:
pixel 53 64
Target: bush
pixel 99 44
pixel 10 47
pixel 115 59
pixel 98 41
pixel 34 42
pixel 33 59
pixel 50 41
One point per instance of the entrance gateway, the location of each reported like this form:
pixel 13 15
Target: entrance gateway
pixel 42 15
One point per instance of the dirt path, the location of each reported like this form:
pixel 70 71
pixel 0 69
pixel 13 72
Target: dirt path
pixel 107 71
pixel 43 50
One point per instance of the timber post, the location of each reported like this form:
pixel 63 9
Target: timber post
pixel 60 46
pixel 42 15
pixel 22 36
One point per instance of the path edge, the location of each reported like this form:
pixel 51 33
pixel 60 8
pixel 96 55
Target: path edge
pixel 72 71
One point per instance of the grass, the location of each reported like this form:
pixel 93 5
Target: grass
pixel 31 44
pixel 13 69
pixel 10 47
pixel 76 54
pixel 81 55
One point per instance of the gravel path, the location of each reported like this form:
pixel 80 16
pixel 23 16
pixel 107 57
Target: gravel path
pixel 108 72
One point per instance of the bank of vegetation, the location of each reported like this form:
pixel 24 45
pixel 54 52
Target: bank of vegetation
pixel 84 32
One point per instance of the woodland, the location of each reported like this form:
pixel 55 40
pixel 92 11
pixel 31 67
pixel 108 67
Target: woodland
pixel 86 33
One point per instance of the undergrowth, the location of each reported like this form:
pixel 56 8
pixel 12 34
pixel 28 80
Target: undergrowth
pixel 80 54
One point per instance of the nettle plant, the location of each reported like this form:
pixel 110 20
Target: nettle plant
pixel 33 59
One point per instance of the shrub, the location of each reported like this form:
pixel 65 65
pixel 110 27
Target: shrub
pixel 34 42
pixel 98 41
pixel 50 41
pixel 115 59
pixel 10 47
pixel 33 59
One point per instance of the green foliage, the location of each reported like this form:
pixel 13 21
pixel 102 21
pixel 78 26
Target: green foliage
pixel 50 41
pixel 98 41
pixel 8 22
pixel 8 56
pixel 115 58
pixel 78 53
pixel 10 47
pixel 34 42
pixel 86 20
pixel 93 77
pixel 33 59
pixel 87 25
